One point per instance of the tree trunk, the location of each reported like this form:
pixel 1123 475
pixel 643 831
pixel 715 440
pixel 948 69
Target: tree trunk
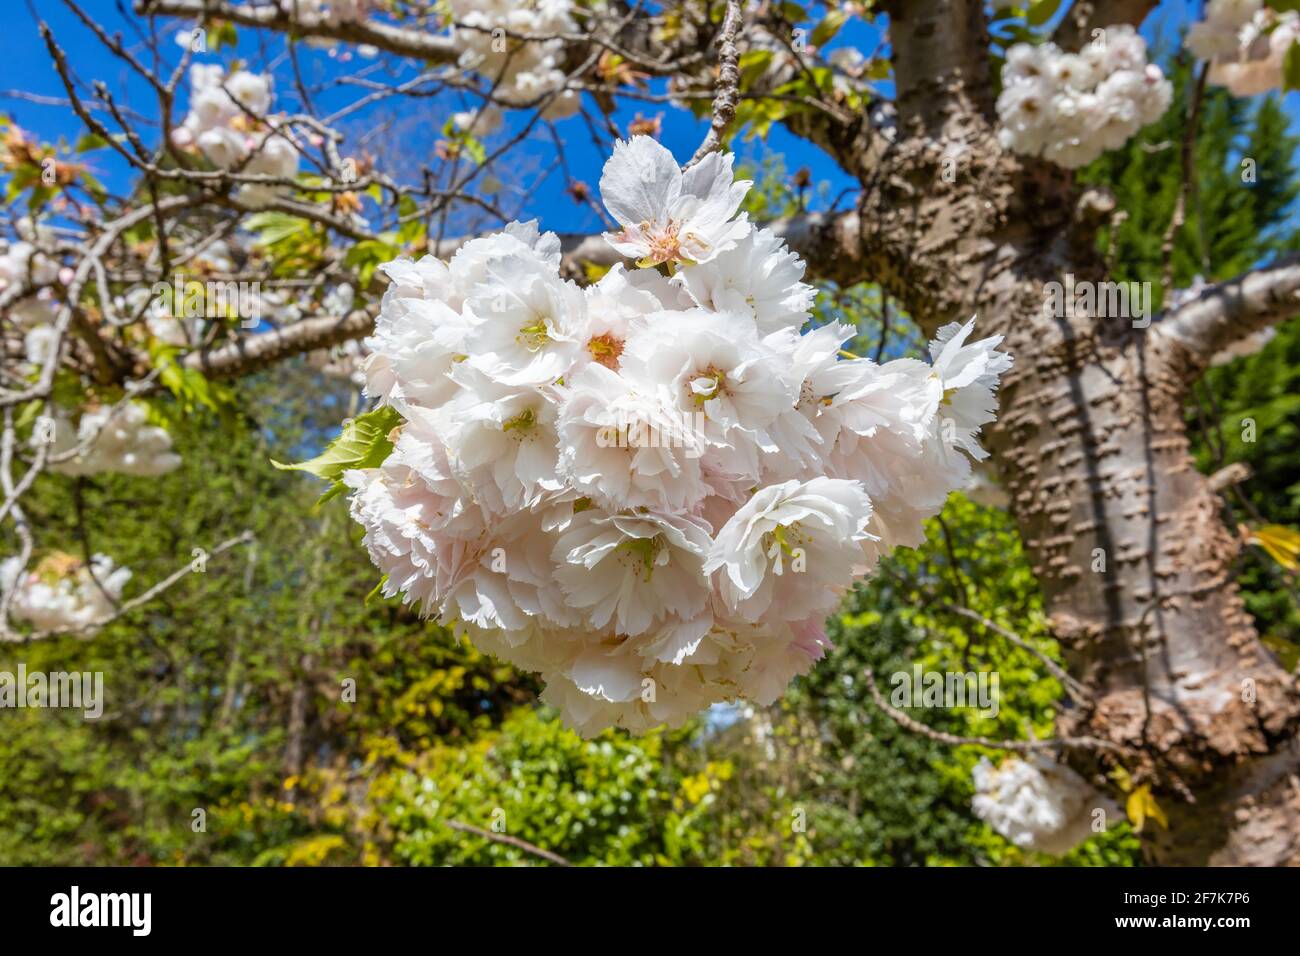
pixel 1125 536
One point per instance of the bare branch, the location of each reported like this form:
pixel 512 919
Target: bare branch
pixel 253 352
pixel 423 44
pixel 955 740
pixel 141 599
pixel 509 840
pixel 1230 311
pixel 728 91
pixel 1087 15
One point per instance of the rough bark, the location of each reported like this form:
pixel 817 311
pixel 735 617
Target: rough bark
pixel 1094 452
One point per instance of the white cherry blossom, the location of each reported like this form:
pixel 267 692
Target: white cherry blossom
pixel 652 490
pixel 668 215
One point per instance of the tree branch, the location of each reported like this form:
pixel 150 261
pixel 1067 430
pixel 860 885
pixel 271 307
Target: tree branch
pixel 728 90
pixel 422 44
pixel 1230 311
pixel 828 242
pixel 941 65
pixel 1087 15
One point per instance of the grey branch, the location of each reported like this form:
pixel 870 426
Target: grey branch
pixel 422 44
pixel 828 242
pixel 1230 311
pixel 728 93
pixel 1075 28
pixel 955 740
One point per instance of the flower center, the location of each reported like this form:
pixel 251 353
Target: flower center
pixel 665 244
pixel 535 335
pixel 707 384
pixel 642 552
pixel 605 349
pixel 521 423
pixel 786 543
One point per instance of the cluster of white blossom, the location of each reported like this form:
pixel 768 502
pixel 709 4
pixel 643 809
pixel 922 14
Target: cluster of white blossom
pixel 1246 42
pixel 521 71
pixel 158 317
pixel 653 489
pixel 226 123
pixel 1071 107
pixel 62 591
pixel 111 438
pixel 1037 804
pixel 23 264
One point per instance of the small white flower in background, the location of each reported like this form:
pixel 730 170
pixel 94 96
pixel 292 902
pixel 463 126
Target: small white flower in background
pixel 116 438
pixel 39 344
pixel 521 73
pixel 62 591
pixel 652 490
pixel 1069 108
pixel 1037 804
pixel 1246 42
pixel 22 261
pixel 220 126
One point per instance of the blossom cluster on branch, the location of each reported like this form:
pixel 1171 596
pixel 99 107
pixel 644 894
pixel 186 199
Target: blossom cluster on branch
pixel 1246 42
pixel 227 124
pixel 1037 804
pixel 62 591
pixel 652 490
pixel 1069 108
pixel 111 439
pixel 521 71
pixel 24 265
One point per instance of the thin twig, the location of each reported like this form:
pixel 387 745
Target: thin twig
pixel 955 740
pixel 509 841
pixel 728 93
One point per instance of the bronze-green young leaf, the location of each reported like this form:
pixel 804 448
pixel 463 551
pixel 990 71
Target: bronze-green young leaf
pixel 363 443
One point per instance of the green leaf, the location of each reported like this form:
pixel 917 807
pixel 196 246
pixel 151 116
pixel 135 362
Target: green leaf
pixel 191 388
pixel 93 186
pixel 367 255
pixel 1291 69
pixel 363 443
pixel 27 416
pixel 90 141
pixel 413 228
pixel 475 149
pixel 753 64
pixel 274 227
pixel 793 12
pixel 830 25
pixel 1041 11
pixel 225 35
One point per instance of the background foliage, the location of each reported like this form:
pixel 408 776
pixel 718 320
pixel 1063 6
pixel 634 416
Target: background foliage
pixel 228 695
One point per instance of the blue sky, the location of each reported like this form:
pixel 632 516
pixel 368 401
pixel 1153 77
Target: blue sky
pixel 26 66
